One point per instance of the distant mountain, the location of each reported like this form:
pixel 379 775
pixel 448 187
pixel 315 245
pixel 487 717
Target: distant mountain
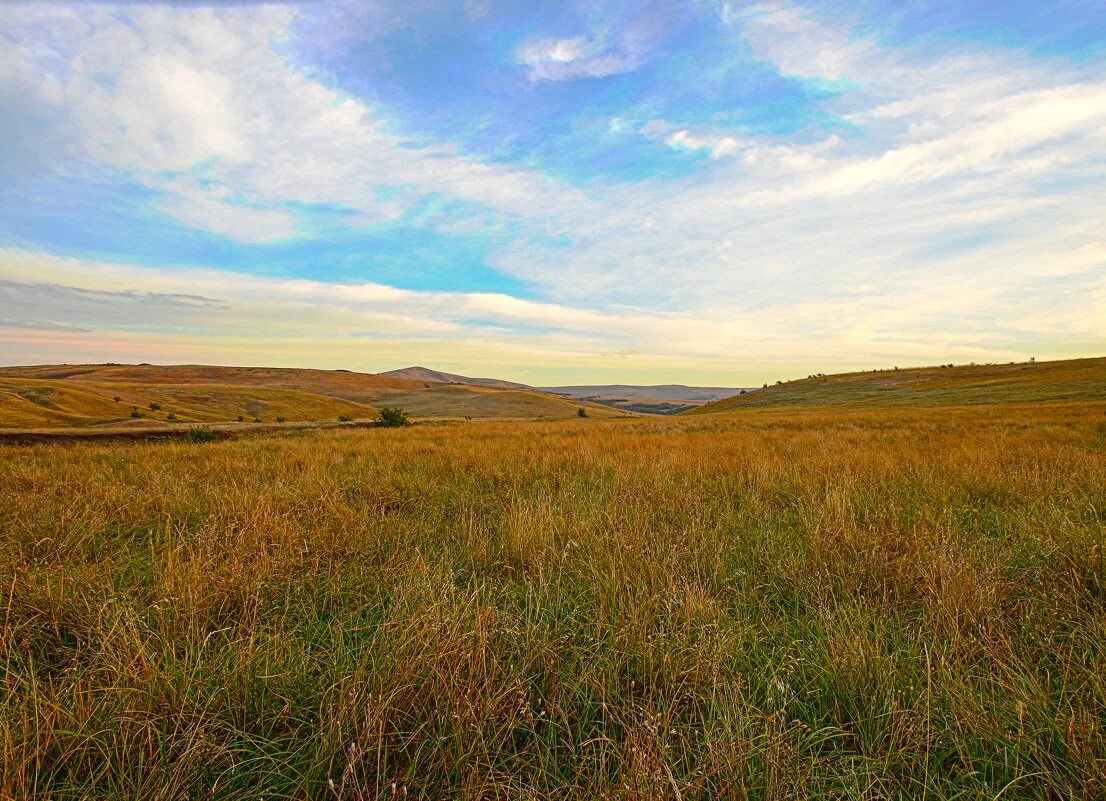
pixel 656 399
pixel 436 376
pixel 660 392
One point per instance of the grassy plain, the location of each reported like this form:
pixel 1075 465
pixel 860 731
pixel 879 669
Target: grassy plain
pixel 903 603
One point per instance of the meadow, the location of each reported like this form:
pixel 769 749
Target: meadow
pixel 841 604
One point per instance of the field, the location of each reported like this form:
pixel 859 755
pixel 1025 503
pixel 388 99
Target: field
pixel 96 396
pixel 843 604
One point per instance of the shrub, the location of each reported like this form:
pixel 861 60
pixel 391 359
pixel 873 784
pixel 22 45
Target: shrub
pixel 136 413
pixel 345 418
pixel 581 412
pixel 280 419
pixel 393 417
pixel 241 419
pixel 155 407
pixel 117 399
pixel 170 416
pixel 257 419
pixel 200 434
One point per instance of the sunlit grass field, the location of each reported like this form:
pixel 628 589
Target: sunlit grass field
pixel 853 604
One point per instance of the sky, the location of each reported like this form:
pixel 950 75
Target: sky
pixel 707 191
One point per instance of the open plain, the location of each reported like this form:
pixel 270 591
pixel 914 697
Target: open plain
pixel 771 603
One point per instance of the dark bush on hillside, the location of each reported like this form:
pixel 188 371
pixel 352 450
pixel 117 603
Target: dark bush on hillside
pixel 117 399
pixel 155 407
pixel 200 434
pixel 257 419
pixel 170 416
pixel 393 417
pixel 581 412
pixel 241 419
pixel 136 413
pixel 280 419
pixel 345 418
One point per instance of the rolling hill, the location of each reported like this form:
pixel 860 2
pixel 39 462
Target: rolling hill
pixel 1070 380
pixel 60 396
pixel 425 374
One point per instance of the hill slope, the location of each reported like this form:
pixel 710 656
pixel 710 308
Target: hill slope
pixel 108 395
pixel 437 376
pixel 1071 380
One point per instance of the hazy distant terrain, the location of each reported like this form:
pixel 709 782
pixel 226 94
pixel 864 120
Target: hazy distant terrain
pixel 658 399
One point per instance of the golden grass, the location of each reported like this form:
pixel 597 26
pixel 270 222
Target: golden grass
pixel 852 605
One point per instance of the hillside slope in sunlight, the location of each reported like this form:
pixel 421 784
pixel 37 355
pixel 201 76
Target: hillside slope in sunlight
pixel 1070 380
pixel 130 395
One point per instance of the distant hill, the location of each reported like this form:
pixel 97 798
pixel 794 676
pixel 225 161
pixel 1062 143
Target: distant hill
pixel 658 398
pixel 60 396
pixel 1071 380
pixel 438 377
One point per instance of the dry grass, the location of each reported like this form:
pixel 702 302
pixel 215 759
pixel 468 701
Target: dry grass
pixel 858 605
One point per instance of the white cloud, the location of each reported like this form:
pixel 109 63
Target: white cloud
pixel 174 90
pixel 562 51
pixel 959 218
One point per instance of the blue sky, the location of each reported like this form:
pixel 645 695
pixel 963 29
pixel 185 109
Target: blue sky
pixel 714 192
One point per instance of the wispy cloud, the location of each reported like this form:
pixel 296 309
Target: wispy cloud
pixel 930 197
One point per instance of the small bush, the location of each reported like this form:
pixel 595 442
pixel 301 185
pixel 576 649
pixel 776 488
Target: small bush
pixel 136 413
pixel 117 399
pixel 345 418
pixel 581 412
pixel 280 419
pixel 170 416
pixel 393 417
pixel 155 407
pixel 257 419
pixel 200 434
pixel 241 419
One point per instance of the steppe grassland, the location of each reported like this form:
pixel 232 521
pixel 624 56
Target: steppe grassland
pixel 883 604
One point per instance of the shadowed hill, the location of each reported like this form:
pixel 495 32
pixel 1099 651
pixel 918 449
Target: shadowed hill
pixel 140 395
pixel 1071 380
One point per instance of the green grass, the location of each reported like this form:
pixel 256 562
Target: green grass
pixel 1074 380
pixel 877 604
